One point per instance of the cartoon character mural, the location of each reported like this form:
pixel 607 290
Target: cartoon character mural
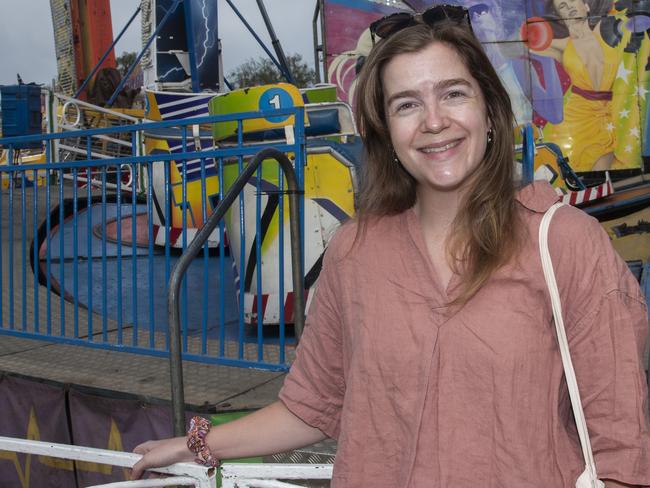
pixel 348 40
pixel 576 68
pixel 600 59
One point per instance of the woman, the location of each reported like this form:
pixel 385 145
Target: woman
pixel 430 353
pixel 586 132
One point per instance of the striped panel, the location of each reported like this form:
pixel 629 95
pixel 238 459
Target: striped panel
pixel 174 106
pixel 193 166
pixel 589 194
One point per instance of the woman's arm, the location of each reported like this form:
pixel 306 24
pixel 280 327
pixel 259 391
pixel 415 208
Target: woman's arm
pixel 616 484
pixel 270 430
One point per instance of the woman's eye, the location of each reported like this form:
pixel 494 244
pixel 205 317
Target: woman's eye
pixel 455 94
pixel 404 106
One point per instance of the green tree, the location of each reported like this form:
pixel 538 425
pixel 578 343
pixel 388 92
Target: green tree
pixel 263 71
pixel 124 61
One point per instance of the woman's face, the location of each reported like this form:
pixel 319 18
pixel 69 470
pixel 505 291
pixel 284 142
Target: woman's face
pixel 436 116
pixel 571 9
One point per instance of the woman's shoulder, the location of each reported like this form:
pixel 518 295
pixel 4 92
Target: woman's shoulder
pixel 569 224
pixel 360 236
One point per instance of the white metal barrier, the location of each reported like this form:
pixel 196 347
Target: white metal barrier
pixel 267 475
pixel 181 474
pixel 70 114
pixel 234 475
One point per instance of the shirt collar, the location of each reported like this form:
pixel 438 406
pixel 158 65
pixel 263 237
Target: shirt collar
pixel 537 196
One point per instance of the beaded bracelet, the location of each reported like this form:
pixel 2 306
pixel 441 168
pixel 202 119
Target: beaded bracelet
pixel 199 428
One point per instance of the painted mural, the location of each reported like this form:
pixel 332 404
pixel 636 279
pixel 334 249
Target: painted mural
pixel 186 51
pixel 578 69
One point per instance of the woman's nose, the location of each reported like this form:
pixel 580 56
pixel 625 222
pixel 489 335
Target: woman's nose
pixel 435 119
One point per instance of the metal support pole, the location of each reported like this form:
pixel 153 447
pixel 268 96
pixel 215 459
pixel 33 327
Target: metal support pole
pixel 275 41
pixel 257 38
pixel 317 47
pixel 173 295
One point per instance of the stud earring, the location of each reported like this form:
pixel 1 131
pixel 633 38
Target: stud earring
pixel 490 136
pixel 395 158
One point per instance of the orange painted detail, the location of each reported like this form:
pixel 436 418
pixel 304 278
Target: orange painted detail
pixel 93 34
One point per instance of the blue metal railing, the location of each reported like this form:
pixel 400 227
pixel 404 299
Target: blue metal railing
pixel 108 252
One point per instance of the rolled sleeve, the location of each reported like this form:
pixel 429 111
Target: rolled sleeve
pixel 314 388
pixel 607 339
pixel 607 354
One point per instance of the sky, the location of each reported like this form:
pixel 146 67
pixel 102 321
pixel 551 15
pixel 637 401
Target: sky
pixel 27 39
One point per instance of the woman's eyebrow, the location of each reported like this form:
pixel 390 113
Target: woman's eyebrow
pixel 402 94
pixel 440 85
pixel 444 84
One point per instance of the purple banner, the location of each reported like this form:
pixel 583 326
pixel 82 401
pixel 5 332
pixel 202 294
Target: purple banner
pixel 35 411
pixel 115 424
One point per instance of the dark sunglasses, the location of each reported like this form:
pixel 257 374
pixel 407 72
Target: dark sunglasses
pixel 389 25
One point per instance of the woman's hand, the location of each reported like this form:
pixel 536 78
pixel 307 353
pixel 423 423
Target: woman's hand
pixel 156 454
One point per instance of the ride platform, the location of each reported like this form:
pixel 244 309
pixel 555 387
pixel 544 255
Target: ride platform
pixel 95 396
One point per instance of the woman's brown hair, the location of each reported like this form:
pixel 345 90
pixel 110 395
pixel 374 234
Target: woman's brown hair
pixel 483 236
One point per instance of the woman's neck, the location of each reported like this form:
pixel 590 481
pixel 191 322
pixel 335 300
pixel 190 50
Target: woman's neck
pixel 579 28
pixel 437 211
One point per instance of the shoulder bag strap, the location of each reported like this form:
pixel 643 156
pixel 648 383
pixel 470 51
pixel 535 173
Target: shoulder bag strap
pixel 569 372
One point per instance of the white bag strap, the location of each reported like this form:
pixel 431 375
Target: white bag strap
pixel 569 373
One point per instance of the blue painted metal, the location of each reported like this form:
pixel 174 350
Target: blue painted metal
pixel 2 253
pixel 134 253
pixel 258 263
pixel 11 244
pixel 118 220
pixel 80 240
pixel 61 253
pixel 189 32
pixel 301 162
pixel 167 233
pixel 48 230
pixel 75 246
pixel 89 196
pixel 21 112
pixel 222 272
pixel 104 263
pixel 35 253
pixel 152 310
pixel 528 163
pixel 184 226
pixel 23 235
pixel 242 250
pixel 206 250
pixel 281 260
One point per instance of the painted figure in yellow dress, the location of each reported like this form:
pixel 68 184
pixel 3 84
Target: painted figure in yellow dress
pixel 595 103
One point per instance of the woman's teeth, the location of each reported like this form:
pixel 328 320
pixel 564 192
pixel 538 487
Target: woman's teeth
pixel 439 149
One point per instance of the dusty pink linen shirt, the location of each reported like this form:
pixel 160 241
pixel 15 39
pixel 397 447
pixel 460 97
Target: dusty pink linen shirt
pixel 418 395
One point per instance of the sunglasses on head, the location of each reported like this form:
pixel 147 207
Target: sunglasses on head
pixel 389 25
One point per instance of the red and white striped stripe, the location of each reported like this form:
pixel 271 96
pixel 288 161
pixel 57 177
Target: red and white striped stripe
pixel 589 194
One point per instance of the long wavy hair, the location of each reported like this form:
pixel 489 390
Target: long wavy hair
pixel 484 233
